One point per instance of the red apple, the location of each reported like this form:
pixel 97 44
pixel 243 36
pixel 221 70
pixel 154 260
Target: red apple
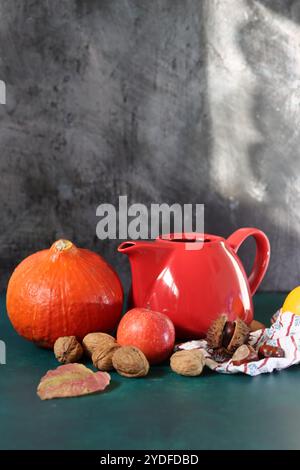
pixel 151 332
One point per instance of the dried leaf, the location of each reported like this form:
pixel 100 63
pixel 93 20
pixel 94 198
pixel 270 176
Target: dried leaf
pixel 71 380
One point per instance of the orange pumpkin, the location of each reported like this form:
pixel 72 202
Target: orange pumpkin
pixel 63 291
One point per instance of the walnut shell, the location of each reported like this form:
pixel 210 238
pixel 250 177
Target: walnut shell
pixel 67 349
pixel 94 341
pixel 189 363
pixel 130 362
pixel 102 357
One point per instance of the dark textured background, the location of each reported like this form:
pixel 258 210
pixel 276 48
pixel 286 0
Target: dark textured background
pixel 193 101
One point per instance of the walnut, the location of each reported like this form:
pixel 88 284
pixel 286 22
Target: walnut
pixel 67 349
pixel 102 357
pixel 94 341
pixel 130 362
pixel 189 363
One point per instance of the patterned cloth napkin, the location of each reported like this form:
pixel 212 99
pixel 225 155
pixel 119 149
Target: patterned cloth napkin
pixel 283 332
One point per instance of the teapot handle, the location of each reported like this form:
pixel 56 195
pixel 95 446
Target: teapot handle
pixel 262 256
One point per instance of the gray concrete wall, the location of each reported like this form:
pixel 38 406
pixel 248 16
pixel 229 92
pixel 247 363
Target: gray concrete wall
pixel 164 100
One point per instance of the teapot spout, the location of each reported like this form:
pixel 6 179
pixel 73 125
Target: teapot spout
pixel 147 259
pixel 126 247
pixel 133 247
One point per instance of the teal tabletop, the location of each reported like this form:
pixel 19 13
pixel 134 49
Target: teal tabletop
pixel 162 411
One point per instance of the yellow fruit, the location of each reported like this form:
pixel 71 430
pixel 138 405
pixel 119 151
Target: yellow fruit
pixel 292 302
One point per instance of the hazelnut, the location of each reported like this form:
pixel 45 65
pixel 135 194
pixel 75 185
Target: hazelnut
pixel 94 341
pixel 67 349
pixel 102 357
pixel 189 363
pixel 130 362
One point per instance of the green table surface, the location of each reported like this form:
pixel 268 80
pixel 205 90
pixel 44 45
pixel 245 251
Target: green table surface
pixel 162 411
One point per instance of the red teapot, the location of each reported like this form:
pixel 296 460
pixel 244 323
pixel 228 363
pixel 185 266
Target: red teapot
pixel 194 278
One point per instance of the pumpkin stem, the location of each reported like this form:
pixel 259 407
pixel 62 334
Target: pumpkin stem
pixel 62 245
